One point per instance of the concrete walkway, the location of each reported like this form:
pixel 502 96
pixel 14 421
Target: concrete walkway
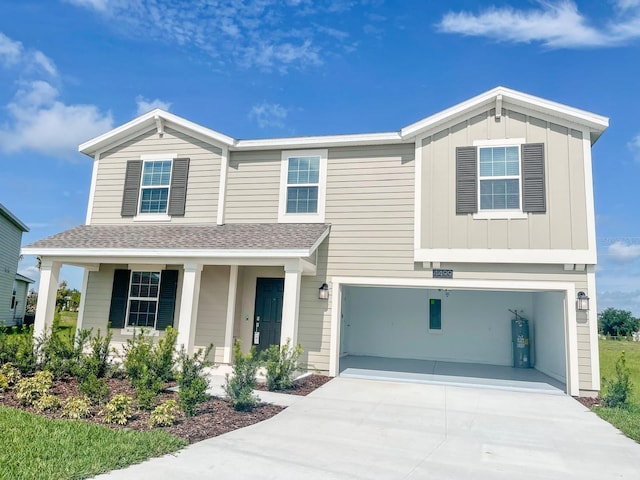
pixel 366 429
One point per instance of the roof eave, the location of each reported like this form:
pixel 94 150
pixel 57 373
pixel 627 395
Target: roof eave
pixel 12 218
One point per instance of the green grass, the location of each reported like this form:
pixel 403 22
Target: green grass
pixel 67 319
pixel 37 447
pixel 627 420
pixel 610 352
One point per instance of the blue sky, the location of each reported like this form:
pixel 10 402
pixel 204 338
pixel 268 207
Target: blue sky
pixel 73 69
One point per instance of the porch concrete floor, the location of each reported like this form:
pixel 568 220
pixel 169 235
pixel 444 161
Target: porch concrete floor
pixel 449 373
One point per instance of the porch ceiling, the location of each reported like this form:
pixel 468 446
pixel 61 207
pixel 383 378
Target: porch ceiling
pixel 279 239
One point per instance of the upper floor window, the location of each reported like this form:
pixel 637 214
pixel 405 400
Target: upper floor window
pixel 499 178
pixel 154 190
pixel 302 186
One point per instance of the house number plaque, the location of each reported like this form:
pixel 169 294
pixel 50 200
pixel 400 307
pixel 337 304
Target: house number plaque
pixel 442 273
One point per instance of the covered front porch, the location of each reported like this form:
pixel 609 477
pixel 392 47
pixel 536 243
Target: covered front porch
pixel 249 289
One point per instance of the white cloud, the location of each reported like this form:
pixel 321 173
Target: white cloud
pixel 13 54
pixel 145 105
pixel 31 272
pixel 634 146
pixel 39 121
pixel 557 24
pixel 623 252
pixel 270 35
pixel 269 115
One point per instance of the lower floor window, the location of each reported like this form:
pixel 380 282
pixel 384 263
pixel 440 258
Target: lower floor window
pixel 143 299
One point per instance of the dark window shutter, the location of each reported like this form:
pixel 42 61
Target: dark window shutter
pixel 178 194
pixel 466 180
pixel 119 296
pixel 167 300
pixel 131 188
pixel 533 187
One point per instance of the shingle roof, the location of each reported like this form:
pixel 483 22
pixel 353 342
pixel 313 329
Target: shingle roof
pixel 273 236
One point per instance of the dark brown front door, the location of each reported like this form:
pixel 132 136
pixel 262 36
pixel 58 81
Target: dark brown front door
pixel 268 312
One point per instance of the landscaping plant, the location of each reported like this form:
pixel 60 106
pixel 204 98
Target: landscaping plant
pixel 60 350
pixel 617 390
pixel 192 381
pixel 239 387
pixel 281 362
pixel 30 389
pixel 10 373
pixel 76 407
pixel 118 409
pixel 46 403
pixel 16 347
pixel 164 415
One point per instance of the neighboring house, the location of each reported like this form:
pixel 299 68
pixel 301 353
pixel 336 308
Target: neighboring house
pixel 422 239
pixel 12 300
pixel 19 297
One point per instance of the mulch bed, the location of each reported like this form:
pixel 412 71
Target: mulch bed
pixel 303 386
pixel 214 417
pixel 590 402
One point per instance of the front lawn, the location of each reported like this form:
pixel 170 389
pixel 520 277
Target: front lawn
pixel 37 447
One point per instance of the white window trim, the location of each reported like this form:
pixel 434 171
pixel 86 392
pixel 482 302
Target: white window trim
pixel 131 329
pixel 283 216
pixel 154 217
pixel 511 213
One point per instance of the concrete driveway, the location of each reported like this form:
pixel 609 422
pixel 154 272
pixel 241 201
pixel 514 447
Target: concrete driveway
pixel 362 429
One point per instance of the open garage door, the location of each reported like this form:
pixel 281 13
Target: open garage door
pixel 453 336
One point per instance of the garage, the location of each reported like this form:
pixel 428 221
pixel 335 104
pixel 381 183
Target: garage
pixel 455 334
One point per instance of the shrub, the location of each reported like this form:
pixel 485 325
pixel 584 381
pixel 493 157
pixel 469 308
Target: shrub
pixel 618 389
pixel 11 373
pixel 16 346
pixel 281 363
pixel 164 353
pixel 46 403
pixel 60 351
pixel 97 361
pixel 4 383
pixel 77 407
pixel 118 410
pixel 192 383
pixel 239 388
pixel 164 415
pixel 30 389
pixel 617 322
pixel 94 388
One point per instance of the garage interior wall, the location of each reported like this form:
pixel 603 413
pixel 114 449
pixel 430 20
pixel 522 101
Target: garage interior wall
pixel 550 356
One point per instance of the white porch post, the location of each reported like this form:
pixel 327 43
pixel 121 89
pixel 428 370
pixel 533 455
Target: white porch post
pixel 189 306
pixel 231 312
pixel 291 304
pixel 49 278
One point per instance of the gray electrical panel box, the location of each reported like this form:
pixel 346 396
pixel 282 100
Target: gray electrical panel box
pixel 521 343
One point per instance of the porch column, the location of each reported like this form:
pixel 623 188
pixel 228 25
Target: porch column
pixel 49 278
pixel 189 306
pixel 291 304
pixel 231 313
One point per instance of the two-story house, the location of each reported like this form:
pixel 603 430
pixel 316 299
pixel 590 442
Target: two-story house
pixel 13 286
pixel 414 244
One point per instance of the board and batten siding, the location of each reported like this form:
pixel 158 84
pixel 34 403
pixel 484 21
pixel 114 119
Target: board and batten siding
pixel 203 183
pixel 563 226
pixel 212 310
pixel 10 238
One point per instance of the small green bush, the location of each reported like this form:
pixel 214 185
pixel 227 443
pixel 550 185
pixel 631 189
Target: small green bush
pixel 76 407
pixel 118 409
pixel 16 347
pixel 164 415
pixel 192 382
pixel 11 373
pixel 97 362
pixel 46 403
pixel 60 350
pixel 30 389
pixel 4 383
pixel 239 387
pixel 94 388
pixel 281 363
pixel 164 354
pixel 617 390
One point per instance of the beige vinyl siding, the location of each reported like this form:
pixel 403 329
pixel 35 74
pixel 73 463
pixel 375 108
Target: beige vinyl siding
pixel 203 185
pixel 253 187
pixel 10 238
pixel 212 310
pixel 563 226
pixel 22 289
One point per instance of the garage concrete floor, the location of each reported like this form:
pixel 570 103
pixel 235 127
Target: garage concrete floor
pixel 361 429
pixel 451 373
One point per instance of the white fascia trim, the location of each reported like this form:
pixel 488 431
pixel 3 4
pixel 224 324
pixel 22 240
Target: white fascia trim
pixel 481 255
pixel 417 207
pixel 597 122
pixel 283 216
pixel 320 141
pixel 568 288
pixel 593 328
pixel 92 190
pixel 499 142
pixel 162 253
pixel 588 188
pixel 315 246
pixel 222 188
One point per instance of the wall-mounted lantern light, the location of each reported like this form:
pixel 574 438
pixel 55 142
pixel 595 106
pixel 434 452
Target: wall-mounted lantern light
pixel 582 303
pixel 323 292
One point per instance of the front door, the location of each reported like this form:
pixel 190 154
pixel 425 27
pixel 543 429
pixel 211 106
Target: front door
pixel 268 312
